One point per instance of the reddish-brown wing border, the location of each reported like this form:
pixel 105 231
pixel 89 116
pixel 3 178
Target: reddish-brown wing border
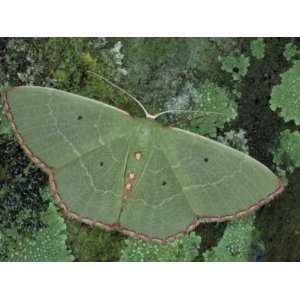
pixel 50 171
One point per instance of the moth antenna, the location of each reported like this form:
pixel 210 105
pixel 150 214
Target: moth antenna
pixel 189 120
pixel 184 111
pixel 124 92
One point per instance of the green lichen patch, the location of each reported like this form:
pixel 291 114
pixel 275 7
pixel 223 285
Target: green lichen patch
pixel 290 146
pixel 216 106
pixel 20 185
pixel 290 51
pixel 158 68
pixel 4 125
pixel 236 140
pixel 287 154
pixel 47 244
pixel 237 66
pixel 279 224
pixel 257 48
pixel 92 243
pixel 286 96
pixel 182 249
pixel 235 244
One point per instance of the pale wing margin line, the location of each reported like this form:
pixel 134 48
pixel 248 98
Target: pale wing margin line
pixel 95 125
pixel 246 157
pixel 222 179
pixel 184 159
pixel 124 176
pixel 167 159
pixel 88 152
pixel 162 203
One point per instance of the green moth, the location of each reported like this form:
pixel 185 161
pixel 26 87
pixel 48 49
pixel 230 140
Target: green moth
pixel 133 175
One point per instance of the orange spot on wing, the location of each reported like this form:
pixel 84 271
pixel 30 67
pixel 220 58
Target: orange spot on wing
pixel 138 155
pixel 128 185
